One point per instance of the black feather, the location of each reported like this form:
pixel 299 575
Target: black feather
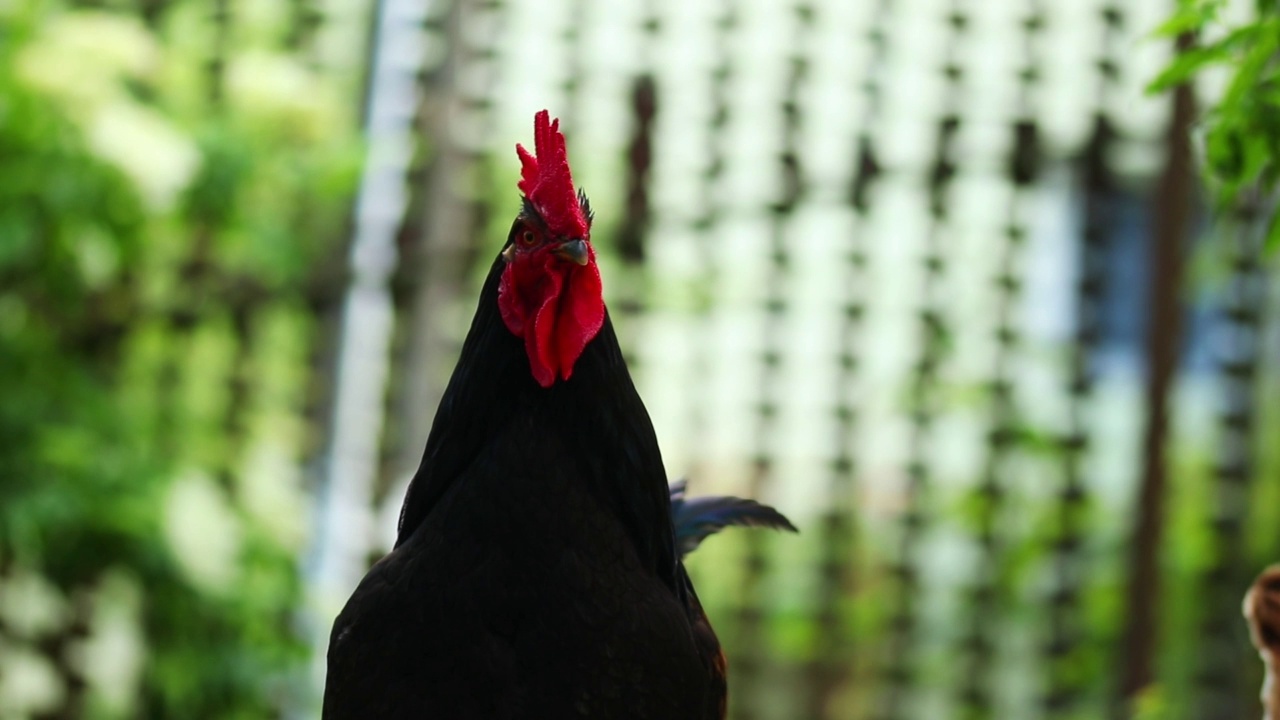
pixel 696 519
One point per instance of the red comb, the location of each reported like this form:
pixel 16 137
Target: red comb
pixel 546 182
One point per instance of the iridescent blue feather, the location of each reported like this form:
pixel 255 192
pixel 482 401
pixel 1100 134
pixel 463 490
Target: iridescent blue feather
pixel 698 518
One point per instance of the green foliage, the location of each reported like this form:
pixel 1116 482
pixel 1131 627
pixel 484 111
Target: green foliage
pixel 1241 127
pixel 155 250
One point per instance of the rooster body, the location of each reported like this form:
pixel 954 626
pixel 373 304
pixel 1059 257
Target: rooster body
pixel 541 580
pixel 535 574
pixel 521 594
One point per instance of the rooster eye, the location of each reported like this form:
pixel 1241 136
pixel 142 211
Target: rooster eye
pixel 528 238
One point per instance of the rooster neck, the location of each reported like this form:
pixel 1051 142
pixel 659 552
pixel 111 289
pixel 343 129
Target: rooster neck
pixel 597 410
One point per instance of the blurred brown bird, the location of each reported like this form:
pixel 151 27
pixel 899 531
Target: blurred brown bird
pixel 1262 610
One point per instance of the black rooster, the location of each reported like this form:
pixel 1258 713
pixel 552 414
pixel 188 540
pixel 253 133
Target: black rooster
pixel 536 572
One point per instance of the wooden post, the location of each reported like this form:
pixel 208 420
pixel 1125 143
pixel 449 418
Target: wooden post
pixel 1171 214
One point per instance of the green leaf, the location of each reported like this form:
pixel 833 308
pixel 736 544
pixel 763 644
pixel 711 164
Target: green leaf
pixel 1191 16
pixel 1185 65
pixel 1184 19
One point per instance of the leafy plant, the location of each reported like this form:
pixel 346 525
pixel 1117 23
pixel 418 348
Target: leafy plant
pixel 155 260
pixel 1240 128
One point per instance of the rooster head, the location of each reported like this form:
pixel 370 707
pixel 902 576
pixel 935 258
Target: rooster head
pixel 550 294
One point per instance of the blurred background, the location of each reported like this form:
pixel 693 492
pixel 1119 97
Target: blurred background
pixel 937 278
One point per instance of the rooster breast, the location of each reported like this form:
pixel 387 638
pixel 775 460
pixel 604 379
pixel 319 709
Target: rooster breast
pixel 519 596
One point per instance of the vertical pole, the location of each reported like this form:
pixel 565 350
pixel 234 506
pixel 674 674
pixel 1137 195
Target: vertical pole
pixel 1166 245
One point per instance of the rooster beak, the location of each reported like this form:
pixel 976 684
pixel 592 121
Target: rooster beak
pixel 574 251
pixel 509 254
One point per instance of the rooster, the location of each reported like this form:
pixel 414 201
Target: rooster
pixel 536 571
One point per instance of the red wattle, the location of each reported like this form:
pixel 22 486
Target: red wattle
pixel 556 308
